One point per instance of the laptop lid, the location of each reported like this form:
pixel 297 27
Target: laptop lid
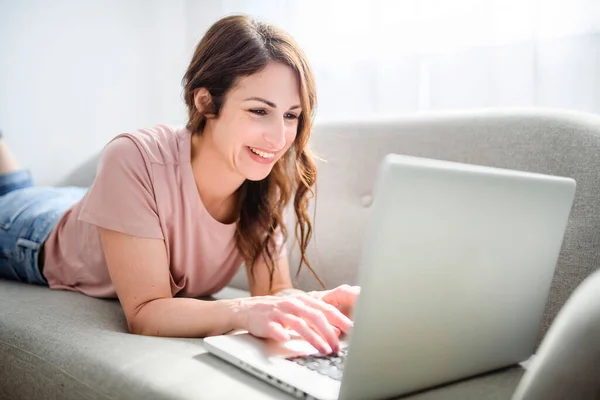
pixel 455 273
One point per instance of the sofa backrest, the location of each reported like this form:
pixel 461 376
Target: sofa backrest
pixel 554 142
pixel 534 140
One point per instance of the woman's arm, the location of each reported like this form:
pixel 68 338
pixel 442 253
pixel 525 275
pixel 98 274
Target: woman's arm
pixel 258 280
pixel 139 271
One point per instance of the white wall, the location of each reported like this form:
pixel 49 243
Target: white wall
pixel 73 74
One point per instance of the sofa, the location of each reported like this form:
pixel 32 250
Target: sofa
pixel 64 345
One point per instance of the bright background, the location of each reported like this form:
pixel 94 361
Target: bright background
pixel 73 74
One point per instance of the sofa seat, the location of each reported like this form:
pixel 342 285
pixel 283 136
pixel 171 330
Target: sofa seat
pixel 77 347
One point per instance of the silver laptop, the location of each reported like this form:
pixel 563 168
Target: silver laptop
pixel 455 272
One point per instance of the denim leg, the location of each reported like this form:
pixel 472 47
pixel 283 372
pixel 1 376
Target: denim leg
pixel 15 180
pixel 27 216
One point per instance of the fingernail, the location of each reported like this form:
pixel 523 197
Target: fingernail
pixel 327 349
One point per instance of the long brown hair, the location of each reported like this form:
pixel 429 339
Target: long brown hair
pixel 237 46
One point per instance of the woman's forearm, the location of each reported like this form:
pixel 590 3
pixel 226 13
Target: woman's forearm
pixel 186 317
pixel 262 316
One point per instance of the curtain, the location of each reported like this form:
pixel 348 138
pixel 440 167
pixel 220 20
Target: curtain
pixel 73 74
pixel 405 56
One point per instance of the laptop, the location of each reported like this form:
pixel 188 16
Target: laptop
pixel 455 272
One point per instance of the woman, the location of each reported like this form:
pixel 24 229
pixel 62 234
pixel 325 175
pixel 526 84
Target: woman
pixel 173 212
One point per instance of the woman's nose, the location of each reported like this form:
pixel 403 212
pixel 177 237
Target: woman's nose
pixel 275 137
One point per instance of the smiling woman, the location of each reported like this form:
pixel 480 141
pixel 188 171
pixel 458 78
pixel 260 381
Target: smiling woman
pixel 174 211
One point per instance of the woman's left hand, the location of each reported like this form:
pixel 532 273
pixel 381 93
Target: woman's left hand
pixel 342 297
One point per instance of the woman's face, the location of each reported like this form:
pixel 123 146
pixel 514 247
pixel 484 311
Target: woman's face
pixel 258 121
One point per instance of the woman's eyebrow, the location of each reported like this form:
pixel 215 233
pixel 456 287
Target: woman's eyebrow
pixel 269 103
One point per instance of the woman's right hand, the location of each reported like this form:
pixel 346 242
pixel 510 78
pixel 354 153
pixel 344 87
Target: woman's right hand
pixel 316 321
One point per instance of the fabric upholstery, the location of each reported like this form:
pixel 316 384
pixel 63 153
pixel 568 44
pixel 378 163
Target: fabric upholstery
pixel 567 364
pixel 63 345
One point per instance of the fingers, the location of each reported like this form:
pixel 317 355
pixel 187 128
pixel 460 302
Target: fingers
pixel 321 316
pixel 302 327
pixel 351 297
pixel 333 315
pixel 343 297
pixel 277 332
pixel 350 293
pixel 354 290
pixel 318 322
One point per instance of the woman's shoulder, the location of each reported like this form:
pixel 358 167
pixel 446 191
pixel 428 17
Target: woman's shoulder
pixel 161 144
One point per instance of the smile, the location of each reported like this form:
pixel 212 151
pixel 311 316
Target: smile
pixel 261 153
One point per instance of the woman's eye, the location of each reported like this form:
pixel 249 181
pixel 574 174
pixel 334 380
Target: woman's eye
pixel 264 112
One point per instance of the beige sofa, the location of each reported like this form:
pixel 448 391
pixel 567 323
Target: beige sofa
pixel 63 345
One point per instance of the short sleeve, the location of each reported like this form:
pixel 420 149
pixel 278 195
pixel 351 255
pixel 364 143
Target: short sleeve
pixel 121 198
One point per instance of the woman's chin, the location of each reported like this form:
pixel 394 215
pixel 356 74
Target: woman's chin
pixel 255 171
pixel 257 175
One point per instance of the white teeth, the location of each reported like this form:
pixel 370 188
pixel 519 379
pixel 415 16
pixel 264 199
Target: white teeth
pixel 261 153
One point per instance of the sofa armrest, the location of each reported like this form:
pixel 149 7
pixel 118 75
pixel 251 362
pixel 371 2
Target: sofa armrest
pixel 567 364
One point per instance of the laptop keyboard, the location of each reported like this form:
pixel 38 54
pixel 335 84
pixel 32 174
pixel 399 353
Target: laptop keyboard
pixel 331 365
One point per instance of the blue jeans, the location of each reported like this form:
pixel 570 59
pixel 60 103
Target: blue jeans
pixel 27 216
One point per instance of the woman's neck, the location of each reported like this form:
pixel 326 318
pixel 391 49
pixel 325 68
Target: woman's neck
pixel 217 184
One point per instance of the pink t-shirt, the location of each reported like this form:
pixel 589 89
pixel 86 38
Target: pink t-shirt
pixel 144 187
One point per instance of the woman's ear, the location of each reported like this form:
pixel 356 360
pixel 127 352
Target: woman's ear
pixel 203 102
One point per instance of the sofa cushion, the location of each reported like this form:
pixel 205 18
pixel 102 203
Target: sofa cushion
pixel 64 345
pixel 544 141
pixel 548 141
